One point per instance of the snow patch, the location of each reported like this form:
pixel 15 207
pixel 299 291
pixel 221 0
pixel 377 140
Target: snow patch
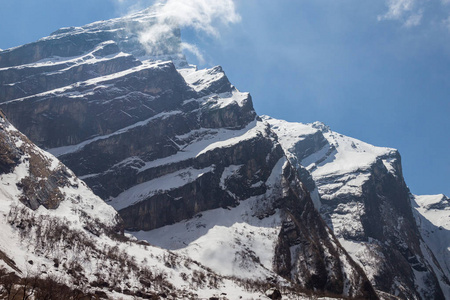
pixel 159 185
pixel 201 80
pixel 227 173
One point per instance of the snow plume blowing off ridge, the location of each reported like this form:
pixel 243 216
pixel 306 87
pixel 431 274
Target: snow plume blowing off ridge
pixel 201 15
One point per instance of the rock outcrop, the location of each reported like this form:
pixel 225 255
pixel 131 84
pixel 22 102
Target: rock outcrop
pixel 43 176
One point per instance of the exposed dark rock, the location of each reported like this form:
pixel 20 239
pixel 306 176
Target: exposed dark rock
pixel 273 293
pixel 59 119
pixel 9 153
pixel 41 185
pixel 389 219
pixel 318 257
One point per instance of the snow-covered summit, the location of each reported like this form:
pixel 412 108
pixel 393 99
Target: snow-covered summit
pixel 360 192
pixel 334 154
pixel 320 126
pixel 146 17
pixel 134 34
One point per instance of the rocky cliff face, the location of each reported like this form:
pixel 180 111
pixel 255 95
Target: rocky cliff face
pixel 164 143
pixel 362 196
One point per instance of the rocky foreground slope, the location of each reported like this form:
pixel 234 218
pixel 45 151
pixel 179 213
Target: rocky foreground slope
pixel 182 156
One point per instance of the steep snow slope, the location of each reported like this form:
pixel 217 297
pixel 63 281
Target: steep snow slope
pixel 362 196
pixel 233 242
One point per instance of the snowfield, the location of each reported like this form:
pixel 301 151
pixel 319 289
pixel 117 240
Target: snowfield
pixel 231 241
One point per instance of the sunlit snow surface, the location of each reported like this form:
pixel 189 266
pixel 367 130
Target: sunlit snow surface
pixel 341 155
pixel 230 241
pixel 339 167
pixel 201 80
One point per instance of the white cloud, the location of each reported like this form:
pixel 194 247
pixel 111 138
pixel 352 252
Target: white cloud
pixel 194 50
pixel 405 11
pixel 413 19
pixel 397 9
pixel 411 12
pixel 201 15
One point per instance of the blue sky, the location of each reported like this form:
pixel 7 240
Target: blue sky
pixel 378 71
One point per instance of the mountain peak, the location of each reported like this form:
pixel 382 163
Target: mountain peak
pixel 320 126
pixel 146 17
pixel 141 34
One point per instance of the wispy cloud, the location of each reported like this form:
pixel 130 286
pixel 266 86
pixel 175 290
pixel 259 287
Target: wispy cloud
pixel 414 19
pixel 194 50
pixel 411 13
pixel 405 11
pixel 200 15
pixel 397 9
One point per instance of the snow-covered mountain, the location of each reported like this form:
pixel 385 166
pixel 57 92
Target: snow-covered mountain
pixel 188 165
pixel 163 143
pixel 360 192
